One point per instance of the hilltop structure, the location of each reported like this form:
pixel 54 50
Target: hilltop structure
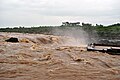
pixel 70 24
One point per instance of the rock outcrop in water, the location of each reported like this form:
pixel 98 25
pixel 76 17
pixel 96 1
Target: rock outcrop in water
pixel 12 39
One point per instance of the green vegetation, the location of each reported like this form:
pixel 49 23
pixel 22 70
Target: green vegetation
pixel 42 30
pixel 111 31
pixel 111 28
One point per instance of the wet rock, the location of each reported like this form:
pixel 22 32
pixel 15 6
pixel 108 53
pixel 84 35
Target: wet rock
pixel 12 39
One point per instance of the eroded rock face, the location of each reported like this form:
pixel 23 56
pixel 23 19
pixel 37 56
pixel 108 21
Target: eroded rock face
pixel 47 59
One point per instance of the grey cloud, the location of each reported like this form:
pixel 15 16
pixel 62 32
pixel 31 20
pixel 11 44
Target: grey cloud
pixel 29 11
pixel 64 7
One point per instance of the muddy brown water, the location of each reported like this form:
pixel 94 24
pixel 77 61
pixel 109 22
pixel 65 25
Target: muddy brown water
pixel 34 60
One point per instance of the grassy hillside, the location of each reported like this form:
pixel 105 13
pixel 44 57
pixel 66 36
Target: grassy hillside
pixel 112 31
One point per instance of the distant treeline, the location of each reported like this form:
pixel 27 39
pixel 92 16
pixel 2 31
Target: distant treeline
pixel 111 31
pixel 41 30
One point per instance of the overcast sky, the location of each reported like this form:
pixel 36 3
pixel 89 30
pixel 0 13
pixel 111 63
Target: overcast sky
pixel 54 12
